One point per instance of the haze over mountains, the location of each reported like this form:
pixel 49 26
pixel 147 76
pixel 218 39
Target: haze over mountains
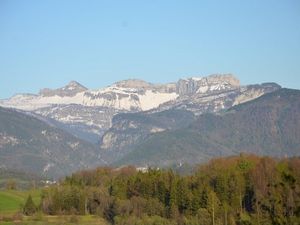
pixel 134 121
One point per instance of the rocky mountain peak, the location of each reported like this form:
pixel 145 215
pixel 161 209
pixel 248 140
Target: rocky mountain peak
pixel 133 83
pixel 71 89
pixel 211 83
pixel 75 84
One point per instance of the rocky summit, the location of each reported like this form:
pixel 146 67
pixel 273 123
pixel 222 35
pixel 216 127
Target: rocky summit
pixel 69 90
pixel 210 84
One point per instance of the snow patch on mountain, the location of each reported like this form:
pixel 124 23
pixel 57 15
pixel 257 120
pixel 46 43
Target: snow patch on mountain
pixel 33 102
pixel 152 99
pixel 118 97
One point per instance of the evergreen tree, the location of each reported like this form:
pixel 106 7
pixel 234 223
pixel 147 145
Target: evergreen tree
pixel 111 211
pixel 29 207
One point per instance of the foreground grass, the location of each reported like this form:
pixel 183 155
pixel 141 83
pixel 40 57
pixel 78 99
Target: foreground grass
pixel 56 220
pixel 11 201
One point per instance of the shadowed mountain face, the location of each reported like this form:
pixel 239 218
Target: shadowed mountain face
pixel 268 125
pixel 29 144
pixel 132 128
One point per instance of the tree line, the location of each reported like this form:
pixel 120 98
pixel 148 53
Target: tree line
pixel 238 190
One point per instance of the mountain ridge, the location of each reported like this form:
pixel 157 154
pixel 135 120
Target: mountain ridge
pixel 88 113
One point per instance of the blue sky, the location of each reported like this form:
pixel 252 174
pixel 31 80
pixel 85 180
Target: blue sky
pixel 48 43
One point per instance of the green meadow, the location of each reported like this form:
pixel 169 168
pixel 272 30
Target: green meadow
pixel 11 202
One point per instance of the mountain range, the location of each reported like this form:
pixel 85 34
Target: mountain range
pixel 133 121
pixel 88 114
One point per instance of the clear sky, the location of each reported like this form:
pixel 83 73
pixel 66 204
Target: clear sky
pixel 48 43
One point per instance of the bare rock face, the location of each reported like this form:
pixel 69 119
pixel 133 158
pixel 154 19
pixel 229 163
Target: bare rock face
pixel 251 92
pixel 129 129
pixel 69 90
pixel 142 86
pixel 208 84
pixel 86 122
pixel 134 83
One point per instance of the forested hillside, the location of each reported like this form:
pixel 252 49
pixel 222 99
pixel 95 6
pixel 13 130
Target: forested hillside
pixel 268 125
pixel 244 189
pixel 32 145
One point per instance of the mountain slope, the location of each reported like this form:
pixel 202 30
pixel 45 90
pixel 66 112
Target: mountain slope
pixel 29 144
pixel 268 125
pixel 132 128
pixel 197 96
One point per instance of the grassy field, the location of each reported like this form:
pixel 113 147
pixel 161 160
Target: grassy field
pixel 12 200
pixel 57 220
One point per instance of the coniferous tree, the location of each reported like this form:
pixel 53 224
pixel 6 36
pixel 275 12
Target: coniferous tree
pixel 29 207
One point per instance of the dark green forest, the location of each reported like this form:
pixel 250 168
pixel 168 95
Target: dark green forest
pixel 244 189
